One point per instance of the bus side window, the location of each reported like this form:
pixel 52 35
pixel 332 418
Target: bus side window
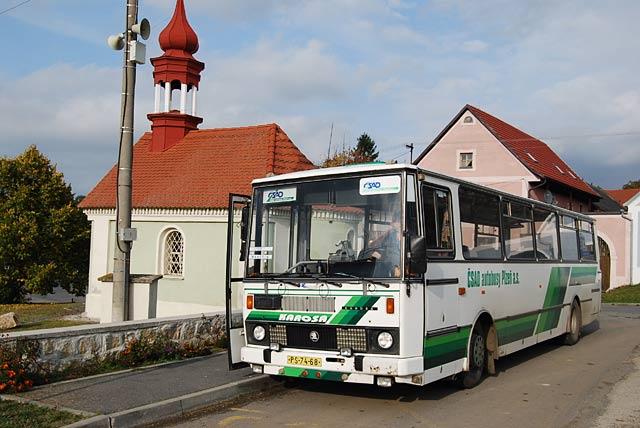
pixel 569 238
pixel 517 224
pixel 437 220
pixel 480 224
pixel 546 224
pixel 587 251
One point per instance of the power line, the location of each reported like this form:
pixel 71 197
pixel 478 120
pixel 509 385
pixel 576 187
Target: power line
pixel 14 7
pixel 547 138
pixel 400 155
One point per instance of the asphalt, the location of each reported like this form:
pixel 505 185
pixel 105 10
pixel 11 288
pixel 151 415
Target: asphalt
pixel 117 392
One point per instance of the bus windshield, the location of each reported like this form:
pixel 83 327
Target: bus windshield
pixel 338 228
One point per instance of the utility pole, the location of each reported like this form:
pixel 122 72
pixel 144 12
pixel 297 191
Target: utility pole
pixel 410 147
pixel 133 54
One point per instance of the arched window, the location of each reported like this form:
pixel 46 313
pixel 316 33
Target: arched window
pixel 173 262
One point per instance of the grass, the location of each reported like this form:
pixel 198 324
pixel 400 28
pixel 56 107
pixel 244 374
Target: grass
pixel 44 315
pixel 626 294
pixel 20 415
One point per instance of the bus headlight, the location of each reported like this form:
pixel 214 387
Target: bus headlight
pixel 259 333
pixel 385 340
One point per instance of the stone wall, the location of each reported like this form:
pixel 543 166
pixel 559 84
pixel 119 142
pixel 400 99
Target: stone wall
pixel 61 347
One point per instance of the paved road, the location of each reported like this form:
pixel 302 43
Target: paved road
pixel 545 386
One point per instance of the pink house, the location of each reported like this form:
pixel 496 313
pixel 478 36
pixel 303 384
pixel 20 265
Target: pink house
pixel 479 147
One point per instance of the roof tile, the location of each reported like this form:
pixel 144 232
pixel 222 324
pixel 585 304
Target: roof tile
pixel 622 196
pixel 546 164
pixel 203 168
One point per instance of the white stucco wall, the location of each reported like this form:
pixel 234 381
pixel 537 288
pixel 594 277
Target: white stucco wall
pixel 615 230
pixel 634 214
pixel 200 290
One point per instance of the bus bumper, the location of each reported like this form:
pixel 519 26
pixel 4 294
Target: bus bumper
pixel 356 369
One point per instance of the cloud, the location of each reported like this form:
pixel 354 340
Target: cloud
pixel 474 46
pixel 396 69
pixel 71 114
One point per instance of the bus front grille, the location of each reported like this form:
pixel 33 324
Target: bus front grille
pixel 278 334
pixel 319 337
pixel 308 303
pixel 311 337
pixel 354 338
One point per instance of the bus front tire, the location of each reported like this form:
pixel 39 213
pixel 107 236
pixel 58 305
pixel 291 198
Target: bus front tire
pixel 575 325
pixel 477 359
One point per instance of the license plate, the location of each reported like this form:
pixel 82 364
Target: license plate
pixel 304 361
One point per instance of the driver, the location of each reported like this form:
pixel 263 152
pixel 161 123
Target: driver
pixel 386 248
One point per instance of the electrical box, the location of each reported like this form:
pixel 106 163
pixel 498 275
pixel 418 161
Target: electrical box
pixel 137 51
pixel 128 234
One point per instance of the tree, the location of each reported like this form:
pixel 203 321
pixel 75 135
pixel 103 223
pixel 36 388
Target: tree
pixel 346 156
pixel 632 184
pixel 366 150
pixel 44 236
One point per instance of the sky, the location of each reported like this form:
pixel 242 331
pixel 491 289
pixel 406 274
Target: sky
pixel 399 70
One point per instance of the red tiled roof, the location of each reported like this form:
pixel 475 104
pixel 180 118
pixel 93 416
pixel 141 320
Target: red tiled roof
pixel 203 168
pixel 622 196
pixel 533 153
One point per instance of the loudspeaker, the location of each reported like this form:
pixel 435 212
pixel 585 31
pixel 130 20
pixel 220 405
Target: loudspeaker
pixel 143 28
pixel 116 42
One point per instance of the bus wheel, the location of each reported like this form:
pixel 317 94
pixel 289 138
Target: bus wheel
pixel 575 325
pixel 477 359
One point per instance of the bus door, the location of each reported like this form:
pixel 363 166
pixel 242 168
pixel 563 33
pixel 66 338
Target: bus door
pixel 236 234
pixel 441 291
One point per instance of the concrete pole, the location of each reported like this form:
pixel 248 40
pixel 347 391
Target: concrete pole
pixel 122 252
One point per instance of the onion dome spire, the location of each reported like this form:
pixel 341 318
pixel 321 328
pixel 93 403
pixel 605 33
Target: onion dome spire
pixel 178 38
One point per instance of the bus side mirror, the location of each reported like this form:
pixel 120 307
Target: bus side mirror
pixel 418 252
pixel 244 231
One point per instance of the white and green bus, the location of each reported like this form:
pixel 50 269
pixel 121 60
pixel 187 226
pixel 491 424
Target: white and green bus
pixel 383 274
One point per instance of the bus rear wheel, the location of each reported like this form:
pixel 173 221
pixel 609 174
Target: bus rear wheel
pixel 575 325
pixel 477 359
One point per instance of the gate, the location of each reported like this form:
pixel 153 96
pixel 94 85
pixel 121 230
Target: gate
pixel 605 264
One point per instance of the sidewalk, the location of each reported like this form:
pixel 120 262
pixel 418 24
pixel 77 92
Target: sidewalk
pixel 147 395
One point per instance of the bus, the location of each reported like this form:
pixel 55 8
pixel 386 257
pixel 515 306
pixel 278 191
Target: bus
pixel 383 274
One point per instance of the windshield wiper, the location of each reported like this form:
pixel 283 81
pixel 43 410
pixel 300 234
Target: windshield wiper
pixel 359 278
pixel 324 279
pixel 284 281
pixel 302 276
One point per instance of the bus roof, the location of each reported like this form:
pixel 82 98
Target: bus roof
pixel 339 170
pixel 380 167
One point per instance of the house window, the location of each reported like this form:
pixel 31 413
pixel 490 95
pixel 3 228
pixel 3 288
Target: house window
pixel 465 160
pixel 468 120
pixel 173 254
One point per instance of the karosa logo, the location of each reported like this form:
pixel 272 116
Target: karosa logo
pixel 303 318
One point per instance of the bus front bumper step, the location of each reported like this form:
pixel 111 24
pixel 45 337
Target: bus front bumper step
pixel 360 369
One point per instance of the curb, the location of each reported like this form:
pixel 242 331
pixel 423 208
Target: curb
pixel 22 400
pixel 124 371
pixel 179 406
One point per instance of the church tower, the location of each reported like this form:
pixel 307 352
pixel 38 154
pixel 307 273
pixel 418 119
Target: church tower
pixel 176 75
